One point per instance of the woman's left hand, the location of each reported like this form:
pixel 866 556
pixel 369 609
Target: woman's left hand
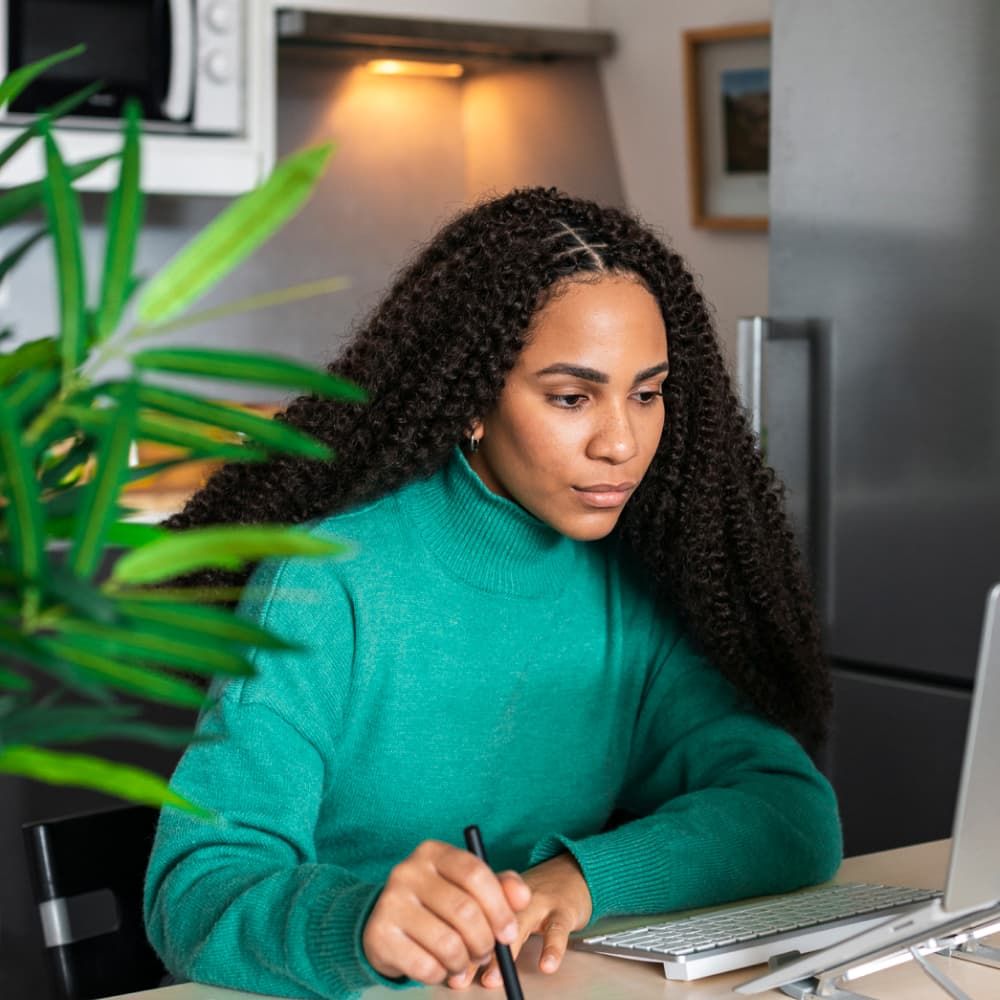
pixel 560 903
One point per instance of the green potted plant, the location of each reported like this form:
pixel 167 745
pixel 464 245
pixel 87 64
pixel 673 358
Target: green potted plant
pixel 104 650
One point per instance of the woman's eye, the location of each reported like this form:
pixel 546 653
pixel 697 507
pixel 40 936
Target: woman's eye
pixel 649 395
pixel 568 402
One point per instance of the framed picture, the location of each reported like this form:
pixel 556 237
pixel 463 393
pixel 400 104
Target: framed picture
pixel 728 92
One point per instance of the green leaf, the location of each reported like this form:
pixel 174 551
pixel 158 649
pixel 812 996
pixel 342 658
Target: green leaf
pixel 233 236
pixel 63 211
pixel 210 623
pixel 88 656
pixel 65 504
pixel 231 547
pixel 252 303
pixel 63 107
pixel 48 724
pixel 263 430
pixel 16 82
pixel 34 354
pixel 125 211
pixel 12 258
pixel 23 512
pixel 84 771
pixel 265 369
pixel 150 427
pixel 82 597
pixel 16 201
pixel 30 391
pixel 132 535
pixel 99 507
pixel 29 650
pixel 158 646
pixel 12 681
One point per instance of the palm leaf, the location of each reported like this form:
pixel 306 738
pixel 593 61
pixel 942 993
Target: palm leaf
pixel 49 724
pixel 233 236
pixel 83 771
pixel 34 354
pixel 13 682
pixel 28 650
pixel 160 647
pixel 133 535
pixel 23 512
pixel 252 303
pixel 124 220
pixel 264 431
pixel 30 391
pixel 88 655
pixel 150 427
pixel 16 201
pixel 209 623
pixel 16 82
pixel 230 547
pixel 99 508
pixel 63 107
pixel 63 211
pixel 86 600
pixel 264 369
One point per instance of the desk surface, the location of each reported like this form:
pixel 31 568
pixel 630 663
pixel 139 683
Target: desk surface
pixel 599 977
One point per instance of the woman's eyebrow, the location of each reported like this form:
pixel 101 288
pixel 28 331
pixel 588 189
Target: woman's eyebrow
pixel 593 375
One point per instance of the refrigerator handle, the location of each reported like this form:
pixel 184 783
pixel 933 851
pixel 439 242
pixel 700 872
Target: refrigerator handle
pixel 752 332
pixel 753 335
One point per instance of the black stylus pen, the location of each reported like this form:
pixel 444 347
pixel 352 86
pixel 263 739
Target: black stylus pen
pixel 511 984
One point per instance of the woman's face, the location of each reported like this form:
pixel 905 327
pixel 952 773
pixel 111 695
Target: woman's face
pixel 581 414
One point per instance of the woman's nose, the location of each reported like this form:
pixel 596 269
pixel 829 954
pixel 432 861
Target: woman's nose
pixel 614 439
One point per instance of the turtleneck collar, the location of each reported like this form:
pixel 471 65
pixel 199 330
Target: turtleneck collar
pixel 484 539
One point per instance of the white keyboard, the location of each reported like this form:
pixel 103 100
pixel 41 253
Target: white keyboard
pixel 738 936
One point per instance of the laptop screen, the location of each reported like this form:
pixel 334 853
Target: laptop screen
pixel 974 869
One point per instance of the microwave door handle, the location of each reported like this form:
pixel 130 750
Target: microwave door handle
pixel 177 103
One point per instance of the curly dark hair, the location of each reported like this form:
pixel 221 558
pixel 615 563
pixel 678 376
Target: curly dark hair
pixel 707 523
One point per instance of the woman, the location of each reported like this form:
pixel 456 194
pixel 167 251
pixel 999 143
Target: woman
pixel 575 616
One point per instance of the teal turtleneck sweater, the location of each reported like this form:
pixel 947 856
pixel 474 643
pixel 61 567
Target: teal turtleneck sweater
pixel 467 664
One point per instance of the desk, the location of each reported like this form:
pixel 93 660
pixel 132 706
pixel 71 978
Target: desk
pixel 598 977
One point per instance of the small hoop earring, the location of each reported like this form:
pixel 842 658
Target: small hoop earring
pixel 473 444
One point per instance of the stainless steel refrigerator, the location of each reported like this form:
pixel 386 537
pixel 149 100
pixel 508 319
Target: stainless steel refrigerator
pixel 880 375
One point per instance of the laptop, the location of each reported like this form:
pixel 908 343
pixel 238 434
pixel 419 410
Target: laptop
pixel 837 923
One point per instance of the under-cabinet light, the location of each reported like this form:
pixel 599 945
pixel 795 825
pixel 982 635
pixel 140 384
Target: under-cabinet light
pixel 412 67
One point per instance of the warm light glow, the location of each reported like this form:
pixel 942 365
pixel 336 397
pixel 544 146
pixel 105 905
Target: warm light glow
pixel 406 67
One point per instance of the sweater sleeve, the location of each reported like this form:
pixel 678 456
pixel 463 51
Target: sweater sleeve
pixel 730 805
pixel 242 901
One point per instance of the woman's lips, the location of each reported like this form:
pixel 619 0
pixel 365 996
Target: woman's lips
pixel 604 494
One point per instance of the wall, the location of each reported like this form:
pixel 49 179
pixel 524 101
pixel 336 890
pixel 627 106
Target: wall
pixel 644 88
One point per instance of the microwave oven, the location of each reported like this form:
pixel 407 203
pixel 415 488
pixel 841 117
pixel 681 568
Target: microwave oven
pixel 183 60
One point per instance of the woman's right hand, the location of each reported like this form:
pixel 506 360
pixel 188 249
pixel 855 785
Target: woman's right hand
pixel 440 914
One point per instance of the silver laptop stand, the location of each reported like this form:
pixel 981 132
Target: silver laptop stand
pixel 964 944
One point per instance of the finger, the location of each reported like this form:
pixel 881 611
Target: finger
pixel 439 939
pixel 412 960
pixel 463 980
pixel 461 912
pixel 479 881
pixel 554 943
pixel 517 891
pixel 491 975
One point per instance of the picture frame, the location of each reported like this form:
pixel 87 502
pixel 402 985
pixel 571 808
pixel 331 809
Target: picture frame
pixel 727 74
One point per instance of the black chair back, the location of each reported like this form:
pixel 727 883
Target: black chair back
pixel 87 873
